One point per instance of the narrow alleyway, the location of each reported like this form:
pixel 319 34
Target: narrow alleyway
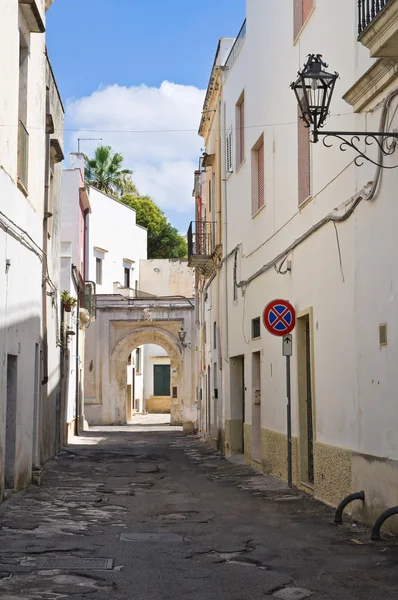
pixel 144 512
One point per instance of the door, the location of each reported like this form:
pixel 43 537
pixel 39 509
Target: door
pixel 256 406
pixel 11 420
pixel 306 404
pixel 237 397
pixel 208 399
pixel 161 380
pixel 310 430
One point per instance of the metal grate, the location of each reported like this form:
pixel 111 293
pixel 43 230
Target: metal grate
pixel 256 328
pixel 76 564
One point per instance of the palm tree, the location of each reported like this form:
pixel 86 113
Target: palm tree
pixel 104 171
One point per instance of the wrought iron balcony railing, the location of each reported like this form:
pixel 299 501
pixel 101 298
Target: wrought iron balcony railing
pixel 236 47
pixel 368 10
pixel 201 239
pixel 23 154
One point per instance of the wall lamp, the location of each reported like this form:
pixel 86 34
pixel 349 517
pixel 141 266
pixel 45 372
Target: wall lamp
pixel 314 89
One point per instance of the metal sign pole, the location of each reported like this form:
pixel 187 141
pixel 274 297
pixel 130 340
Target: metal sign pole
pixel 289 423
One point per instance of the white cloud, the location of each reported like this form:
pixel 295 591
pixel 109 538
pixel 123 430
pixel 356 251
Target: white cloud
pixel 163 162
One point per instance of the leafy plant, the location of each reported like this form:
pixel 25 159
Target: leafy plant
pixel 66 298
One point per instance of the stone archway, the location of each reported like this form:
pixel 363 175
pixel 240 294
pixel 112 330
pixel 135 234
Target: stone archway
pixel 139 337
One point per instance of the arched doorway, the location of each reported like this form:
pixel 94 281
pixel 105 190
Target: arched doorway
pixel 118 374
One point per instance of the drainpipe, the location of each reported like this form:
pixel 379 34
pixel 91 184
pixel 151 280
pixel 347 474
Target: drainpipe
pixel 77 400
pixel 45 247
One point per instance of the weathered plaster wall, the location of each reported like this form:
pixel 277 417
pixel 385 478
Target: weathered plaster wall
pixel 122 327
pixel 168 277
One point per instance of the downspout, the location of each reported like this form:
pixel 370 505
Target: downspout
pixel 45 246
pixel 77 402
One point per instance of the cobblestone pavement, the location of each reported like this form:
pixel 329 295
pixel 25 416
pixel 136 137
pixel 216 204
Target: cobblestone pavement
pixel 144 512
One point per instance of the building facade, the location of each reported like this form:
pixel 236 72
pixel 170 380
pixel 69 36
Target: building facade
pixel 31 115
pixel 306 223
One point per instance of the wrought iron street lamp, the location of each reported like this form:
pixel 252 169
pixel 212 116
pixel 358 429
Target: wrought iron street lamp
pixel 314 89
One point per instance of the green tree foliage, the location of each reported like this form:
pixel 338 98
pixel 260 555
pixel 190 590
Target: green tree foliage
pixel 104 171
pixel 164 241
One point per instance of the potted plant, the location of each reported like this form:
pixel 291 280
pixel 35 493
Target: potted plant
pixel 68 301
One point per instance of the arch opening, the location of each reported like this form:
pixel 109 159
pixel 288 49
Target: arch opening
pixel 153 337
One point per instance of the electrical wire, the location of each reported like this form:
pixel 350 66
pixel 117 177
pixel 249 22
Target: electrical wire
pixel 96 130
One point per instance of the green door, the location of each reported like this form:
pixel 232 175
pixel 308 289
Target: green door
pixel 161 380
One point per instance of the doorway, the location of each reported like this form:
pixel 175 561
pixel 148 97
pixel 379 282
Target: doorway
pixel 256 406
pixel 11 420
pixel 237 394
pixel 306 404
pixel 208 396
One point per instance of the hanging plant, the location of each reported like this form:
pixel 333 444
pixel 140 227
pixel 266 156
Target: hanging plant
pixel 68 301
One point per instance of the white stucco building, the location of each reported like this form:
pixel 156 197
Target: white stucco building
pixel 115 245
pixel 303 222
pixel 31 115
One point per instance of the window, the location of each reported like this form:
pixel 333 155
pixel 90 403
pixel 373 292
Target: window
pixel 304 162
pixel 215 335
pixel 23 136
pixel 302 10
pixel 240 131
pixel 98 271
pixel 258 176
pixel 256 328
pixel 127 272
pixel 138 360
pixel 229 152
pixel 209 196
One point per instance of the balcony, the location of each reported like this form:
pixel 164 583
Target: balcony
pixel 378 27
pixel 23 156
pixel 202 246
pixel 33 13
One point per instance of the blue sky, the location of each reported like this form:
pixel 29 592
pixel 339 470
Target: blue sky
pixel 140 64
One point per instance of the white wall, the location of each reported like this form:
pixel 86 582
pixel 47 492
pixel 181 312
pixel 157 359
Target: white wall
pixel 166 277
pixel 21 242
pixel 112 228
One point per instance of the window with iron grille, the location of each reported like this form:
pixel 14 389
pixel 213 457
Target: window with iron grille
pixel 229 152
pixel 256 328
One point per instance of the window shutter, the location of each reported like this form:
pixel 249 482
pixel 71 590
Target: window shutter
pixel 298 17
pixel 260 176
pixel 229 152
pixel 304 162
pixel 308 5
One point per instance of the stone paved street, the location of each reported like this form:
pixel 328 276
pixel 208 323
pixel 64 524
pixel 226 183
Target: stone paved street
pixel 144 512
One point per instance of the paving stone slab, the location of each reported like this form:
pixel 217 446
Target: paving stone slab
pixel 152 537
pixel 75 564
pixel 293 593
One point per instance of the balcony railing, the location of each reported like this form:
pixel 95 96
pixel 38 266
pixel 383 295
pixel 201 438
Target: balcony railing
pixel 23 154
pixel 201 239
pixel 368 10
pixel 236 47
